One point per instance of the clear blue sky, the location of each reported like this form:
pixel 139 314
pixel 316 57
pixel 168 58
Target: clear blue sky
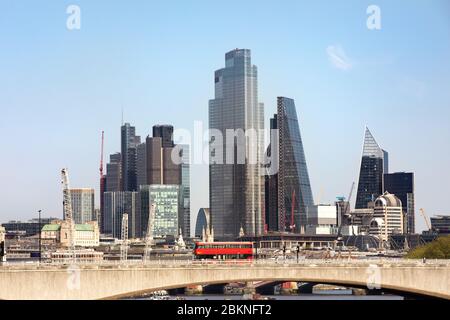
pixel 60 88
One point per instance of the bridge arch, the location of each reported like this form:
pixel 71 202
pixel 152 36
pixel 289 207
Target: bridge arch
pixel 393 289
pixel 101 282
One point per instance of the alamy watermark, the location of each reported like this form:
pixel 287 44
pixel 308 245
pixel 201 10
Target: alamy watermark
pixel 373 277
pixel 374 19
pixel 73 21
pixel 228 146
pixel 74 277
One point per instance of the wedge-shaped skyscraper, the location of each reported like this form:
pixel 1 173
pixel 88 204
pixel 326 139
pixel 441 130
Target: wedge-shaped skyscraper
pixel 288 192
pixel 374 164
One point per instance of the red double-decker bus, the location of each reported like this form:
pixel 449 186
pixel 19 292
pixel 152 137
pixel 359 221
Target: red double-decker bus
pixel 224 250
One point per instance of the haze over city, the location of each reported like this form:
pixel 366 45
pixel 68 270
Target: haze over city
pixel 61 88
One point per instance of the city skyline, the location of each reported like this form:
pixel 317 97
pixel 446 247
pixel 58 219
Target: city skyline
pixel 331 124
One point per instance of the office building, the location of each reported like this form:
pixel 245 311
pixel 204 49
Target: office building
pixel 161 168
pixel 387 217
pixel 165 132
pixel 203 222
pixel 288 191
pixel 185 191
pixel 86 234
pixel 321 219
pixel 83 209
pixel 26 228
pixel 271 179
pixel 114 173
pixel 362 217
pixel 374 164
pixel 236 120
pixel 129 143
pixel 294 188
pixel 402 185
pixel 116 204
pixel 141 164
pixel 167 213
pixel 113 182
pixel 441 224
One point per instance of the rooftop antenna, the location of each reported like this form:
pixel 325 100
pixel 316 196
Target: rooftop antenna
pixel 122 115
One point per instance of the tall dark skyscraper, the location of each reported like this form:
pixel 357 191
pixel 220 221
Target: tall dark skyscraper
pixel 159 164
pixel 129 142
pixel 374 164
pixel 271 183
pixel 141 164
pixel 113 182
pixel 114 173
pixel 236 185
pixel 161 168
pixel 288 193
pixel 402 185
pixel 165 132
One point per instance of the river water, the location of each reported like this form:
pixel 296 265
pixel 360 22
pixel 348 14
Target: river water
pixel 323 295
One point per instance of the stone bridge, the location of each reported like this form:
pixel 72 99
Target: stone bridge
pixel 112 281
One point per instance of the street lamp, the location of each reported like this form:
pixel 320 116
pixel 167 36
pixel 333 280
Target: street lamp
pixel 40 251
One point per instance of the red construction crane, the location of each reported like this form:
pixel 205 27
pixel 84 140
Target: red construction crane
pixel 292 226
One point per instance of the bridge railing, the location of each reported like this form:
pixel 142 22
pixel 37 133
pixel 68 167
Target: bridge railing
pixel 157 263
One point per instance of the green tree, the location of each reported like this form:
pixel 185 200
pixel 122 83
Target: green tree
pixel 437 249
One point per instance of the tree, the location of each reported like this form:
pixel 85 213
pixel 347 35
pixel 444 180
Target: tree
pixel 437 249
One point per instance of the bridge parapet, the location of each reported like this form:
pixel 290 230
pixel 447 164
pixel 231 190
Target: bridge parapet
pixel 114 280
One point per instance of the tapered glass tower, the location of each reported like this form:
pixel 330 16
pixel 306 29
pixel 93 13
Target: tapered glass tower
pixel 236 181
pixel 374 164
pixel 289 190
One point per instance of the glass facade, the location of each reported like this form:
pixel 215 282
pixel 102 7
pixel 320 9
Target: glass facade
pixel 374 164
pixel 129 142
pixel 402 185
pixel 116 204
pixel 185 191
pixel 441 224
pixel 202 222
pixel 167 199
pixel 236 189
pixel 82 205
pixel 294 187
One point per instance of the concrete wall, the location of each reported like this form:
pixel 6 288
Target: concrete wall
pixel 114 282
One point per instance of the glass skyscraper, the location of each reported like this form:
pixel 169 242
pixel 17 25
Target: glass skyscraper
pixel 374 164
pixel 402 185
pixel 236 189
pixel 185 192
pixel 116 204
pixel 129 142
pixel 288 191
pixel 82 205
pixel 166 198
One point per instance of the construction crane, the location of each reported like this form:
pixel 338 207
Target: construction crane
pixel 124 236
pixel 347 204
pixel 67 206
pixel 346 212
pixel 292 225
pixel 425 217
pixel 102 183
pixel 149 234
